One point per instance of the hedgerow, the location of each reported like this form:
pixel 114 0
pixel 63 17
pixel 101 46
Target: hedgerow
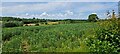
pixel 107 37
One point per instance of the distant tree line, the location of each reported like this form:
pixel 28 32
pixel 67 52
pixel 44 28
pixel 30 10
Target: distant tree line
pixel 14 21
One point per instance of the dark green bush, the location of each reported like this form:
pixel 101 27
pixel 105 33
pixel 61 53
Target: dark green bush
pixel 12 24
pixel 37 24
pixel 46 23
pixel 8 33
pixel 92 18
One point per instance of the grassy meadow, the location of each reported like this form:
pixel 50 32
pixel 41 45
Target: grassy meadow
pixel 60 27
pixel 60 38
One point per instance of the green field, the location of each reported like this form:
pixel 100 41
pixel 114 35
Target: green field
pixel 49 38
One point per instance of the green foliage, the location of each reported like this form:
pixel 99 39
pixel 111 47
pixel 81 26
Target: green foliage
pixel 12 24
pixel 46 23
pixel 10 19
pixel 37 24
pixel 8 33
pixel 33 20
pixel 51 38
pixel 92 18
pixel 107 38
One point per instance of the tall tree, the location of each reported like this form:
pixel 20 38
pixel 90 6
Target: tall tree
pixel 93 18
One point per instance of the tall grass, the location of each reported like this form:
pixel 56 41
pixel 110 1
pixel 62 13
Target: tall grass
pixel 51 38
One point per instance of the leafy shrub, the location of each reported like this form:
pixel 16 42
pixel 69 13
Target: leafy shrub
pixel 46 23
pixel 8 33
pixel 37 24
pixel 92 18
pixel 107 38
pixel 12 24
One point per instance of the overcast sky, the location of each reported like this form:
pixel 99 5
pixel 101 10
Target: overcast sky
pixel 57 10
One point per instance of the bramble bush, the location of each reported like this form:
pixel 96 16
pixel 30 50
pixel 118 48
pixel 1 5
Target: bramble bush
pixel 107 37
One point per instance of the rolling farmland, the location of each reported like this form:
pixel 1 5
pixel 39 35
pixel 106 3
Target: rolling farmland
pixel 49 38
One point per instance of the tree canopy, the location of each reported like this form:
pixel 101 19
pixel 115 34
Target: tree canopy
pixel 93 18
